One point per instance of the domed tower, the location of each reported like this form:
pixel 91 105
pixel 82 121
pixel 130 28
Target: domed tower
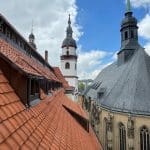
pixel 69 58
pixel 32 38
pixel 129 35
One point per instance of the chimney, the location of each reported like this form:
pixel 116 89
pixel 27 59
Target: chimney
pixel 46 56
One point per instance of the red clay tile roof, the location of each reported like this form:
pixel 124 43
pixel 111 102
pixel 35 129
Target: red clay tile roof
pixel 45 126
pixel 60 76
pixel 24 62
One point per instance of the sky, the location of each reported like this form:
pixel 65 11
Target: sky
pixel 96 26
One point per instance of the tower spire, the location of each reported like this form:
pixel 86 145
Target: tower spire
pixel 32 37
pixel 69 28
pixel 128 9
pixel 69 20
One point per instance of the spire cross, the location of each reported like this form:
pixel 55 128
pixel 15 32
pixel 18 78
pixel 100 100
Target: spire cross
pixel 128 6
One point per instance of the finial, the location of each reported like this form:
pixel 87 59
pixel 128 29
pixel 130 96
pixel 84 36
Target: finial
pixel 128 6
pixel 69 21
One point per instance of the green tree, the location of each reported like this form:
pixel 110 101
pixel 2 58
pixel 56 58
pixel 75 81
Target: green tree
pixel 81 86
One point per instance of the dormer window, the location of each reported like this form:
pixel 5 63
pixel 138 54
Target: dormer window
pixel 101 92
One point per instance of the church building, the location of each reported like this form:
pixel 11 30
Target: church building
pixel 69 59
pixel 118 101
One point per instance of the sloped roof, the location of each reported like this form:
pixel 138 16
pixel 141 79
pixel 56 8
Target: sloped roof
pixel 60 76
pixel 127 87
pixel 45 126
pixel 24 62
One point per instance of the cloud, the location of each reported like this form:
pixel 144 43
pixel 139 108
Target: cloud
pixel 91 63
pixel 50 21
pixel 139 3
pixel 144 27
pixel 144 31
pixel 147 48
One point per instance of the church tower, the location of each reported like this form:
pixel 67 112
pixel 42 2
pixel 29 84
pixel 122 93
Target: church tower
pixel 129 35
pixel 69 58
pixel 32 38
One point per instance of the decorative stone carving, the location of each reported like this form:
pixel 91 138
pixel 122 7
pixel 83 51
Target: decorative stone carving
pixel 109 127
pixel 130 126
pixel 110 118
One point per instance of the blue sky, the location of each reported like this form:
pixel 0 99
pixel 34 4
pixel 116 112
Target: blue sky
pixel 100 21
pixel 96 26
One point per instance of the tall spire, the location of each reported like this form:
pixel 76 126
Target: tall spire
pixel 69 28
pixel 69 41
pixel 32 37
pixel 69 20
pixel 128 9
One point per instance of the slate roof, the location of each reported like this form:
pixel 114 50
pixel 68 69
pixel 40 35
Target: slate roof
pixel 126 87
pixel 69 41
pixel 47 125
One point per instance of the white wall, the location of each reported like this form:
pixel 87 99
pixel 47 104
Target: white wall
pixel 72 51
pixel 69 72
pixel 72 71
pixel 73 82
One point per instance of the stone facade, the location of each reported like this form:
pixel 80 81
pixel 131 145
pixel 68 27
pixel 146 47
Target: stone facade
pixel 106 126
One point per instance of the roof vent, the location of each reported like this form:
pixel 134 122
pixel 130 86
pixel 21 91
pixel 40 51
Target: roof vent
pixel 101 92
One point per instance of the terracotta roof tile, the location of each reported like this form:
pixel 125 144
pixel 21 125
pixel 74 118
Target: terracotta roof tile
pixel 5 146
pixel 24 62
pixel 47 125
pixel 60 76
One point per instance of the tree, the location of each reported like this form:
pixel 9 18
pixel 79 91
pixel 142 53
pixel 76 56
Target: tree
pixel 81 86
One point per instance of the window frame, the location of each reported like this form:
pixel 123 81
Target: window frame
pixel 67 65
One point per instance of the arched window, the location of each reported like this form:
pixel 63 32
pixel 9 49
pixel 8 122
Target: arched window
pixel 67 65
pixel 126 35
pixel 67 53
pixel 122 136
pixel 144 138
